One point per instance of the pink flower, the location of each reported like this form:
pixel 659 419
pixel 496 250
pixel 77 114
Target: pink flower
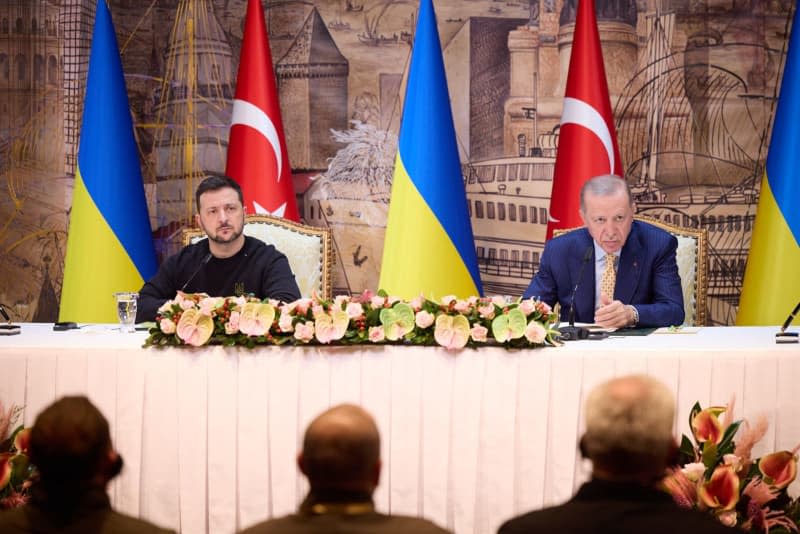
pixel 760 493
pixel 304 332
pixel 317 311
pixel 451 331
pixel 301 305
pixel 527 306
pixel 478 333
pixel 543 307
pixel 340 301
pixel 376 334
pixel 416 303
pixel 186 304
pixel 14 500
pixel 423 319
pixel 167 306
pixel 391 299
pixel 167 326
pixel 728 518
pixel 461 306
pixel 446 300
pixel 354 310
pixel 285 322
pixel 209 304
pixel 377 301
pixel 194 328
pixel 486 311
pixel 473 300
pixel 535 332
pixel 682 489
pixel 499 301
pixel 240 301
pixel 232 326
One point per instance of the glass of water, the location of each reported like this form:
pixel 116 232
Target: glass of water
pixel 126 310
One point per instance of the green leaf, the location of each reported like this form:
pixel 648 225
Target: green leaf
pixel 726 444
pixel 710 457
pixel 686 450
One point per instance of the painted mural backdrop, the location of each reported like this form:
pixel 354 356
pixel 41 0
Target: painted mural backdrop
pixel 693 84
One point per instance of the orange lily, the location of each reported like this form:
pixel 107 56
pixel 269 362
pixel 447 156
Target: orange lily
pixel 721 492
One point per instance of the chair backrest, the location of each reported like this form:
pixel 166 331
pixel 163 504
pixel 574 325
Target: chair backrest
pixel 692 259
pixel 309 249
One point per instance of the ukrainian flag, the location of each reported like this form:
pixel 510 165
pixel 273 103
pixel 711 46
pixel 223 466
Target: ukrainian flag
pixel 109 244
pixel 429 246
pixel 771 282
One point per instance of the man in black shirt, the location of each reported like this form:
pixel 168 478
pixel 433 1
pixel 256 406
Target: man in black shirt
pixel 227 263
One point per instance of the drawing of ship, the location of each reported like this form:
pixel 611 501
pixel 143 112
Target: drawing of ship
pixel 693 138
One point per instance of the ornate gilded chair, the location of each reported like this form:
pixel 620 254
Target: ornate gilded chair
pixel 308 248
pixel 692 259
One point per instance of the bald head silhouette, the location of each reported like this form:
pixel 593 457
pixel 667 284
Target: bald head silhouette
pixel 341 450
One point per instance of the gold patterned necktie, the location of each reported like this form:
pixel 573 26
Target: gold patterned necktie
pixel 609 279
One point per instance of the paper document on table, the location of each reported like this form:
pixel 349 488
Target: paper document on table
pixel 678 330
pixel 591 327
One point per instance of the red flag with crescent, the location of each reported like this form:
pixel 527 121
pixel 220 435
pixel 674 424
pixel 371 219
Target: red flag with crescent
pixel 257 155
pixel 587 144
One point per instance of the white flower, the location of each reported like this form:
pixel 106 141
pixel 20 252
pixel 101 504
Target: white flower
pixel 694 471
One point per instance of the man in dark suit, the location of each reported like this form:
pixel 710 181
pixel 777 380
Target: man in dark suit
pixel 630 443
pixel 341 459
pixel 637 260
pixel 71 447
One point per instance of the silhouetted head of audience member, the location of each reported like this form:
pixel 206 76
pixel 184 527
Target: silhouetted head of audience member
pixel 71 447
pixel 629 434
pixel 341 451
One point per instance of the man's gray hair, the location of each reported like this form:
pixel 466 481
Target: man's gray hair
pixel 629 423
pixel 603 186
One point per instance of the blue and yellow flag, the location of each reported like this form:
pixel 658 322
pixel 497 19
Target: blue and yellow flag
pixel 429 247
pixel 772 280
pixel 109 245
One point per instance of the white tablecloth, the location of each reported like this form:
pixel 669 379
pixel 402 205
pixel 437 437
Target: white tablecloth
pixel 210 436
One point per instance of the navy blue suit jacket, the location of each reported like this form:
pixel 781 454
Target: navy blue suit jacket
pixel 647 275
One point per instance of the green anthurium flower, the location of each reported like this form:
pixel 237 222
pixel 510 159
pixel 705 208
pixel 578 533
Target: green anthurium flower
pixel 397 321
pixel 509 325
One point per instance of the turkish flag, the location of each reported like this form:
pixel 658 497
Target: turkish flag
pixel 257 155
pixel 587 141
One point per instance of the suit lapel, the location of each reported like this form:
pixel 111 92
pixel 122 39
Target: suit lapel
pixel 630 266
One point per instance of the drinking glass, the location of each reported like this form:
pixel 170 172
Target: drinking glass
pixel 126 310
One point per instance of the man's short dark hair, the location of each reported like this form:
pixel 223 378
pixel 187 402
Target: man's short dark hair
pixel 69 441
pixel 215 182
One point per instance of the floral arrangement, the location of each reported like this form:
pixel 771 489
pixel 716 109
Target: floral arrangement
pixel 16 471
pixel 720 476
pixel 197 319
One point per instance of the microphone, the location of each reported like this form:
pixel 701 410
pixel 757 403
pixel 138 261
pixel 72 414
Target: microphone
pixel 788 337
pixel 7 329
pixel 205 260
pixel 572 332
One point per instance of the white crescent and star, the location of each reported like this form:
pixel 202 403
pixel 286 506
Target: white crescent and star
pixel 247 114
pixel 581 113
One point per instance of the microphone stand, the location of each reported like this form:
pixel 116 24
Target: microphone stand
pixel 788 337
pixel 8 329
pixel 572 332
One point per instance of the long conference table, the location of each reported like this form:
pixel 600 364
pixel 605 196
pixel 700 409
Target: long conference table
pixel 469 438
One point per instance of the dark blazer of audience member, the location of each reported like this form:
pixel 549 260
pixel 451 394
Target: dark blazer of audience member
pixel 629 440
pixel 341 459
pixel 648 288
pixel 227 263
pixel 71 448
